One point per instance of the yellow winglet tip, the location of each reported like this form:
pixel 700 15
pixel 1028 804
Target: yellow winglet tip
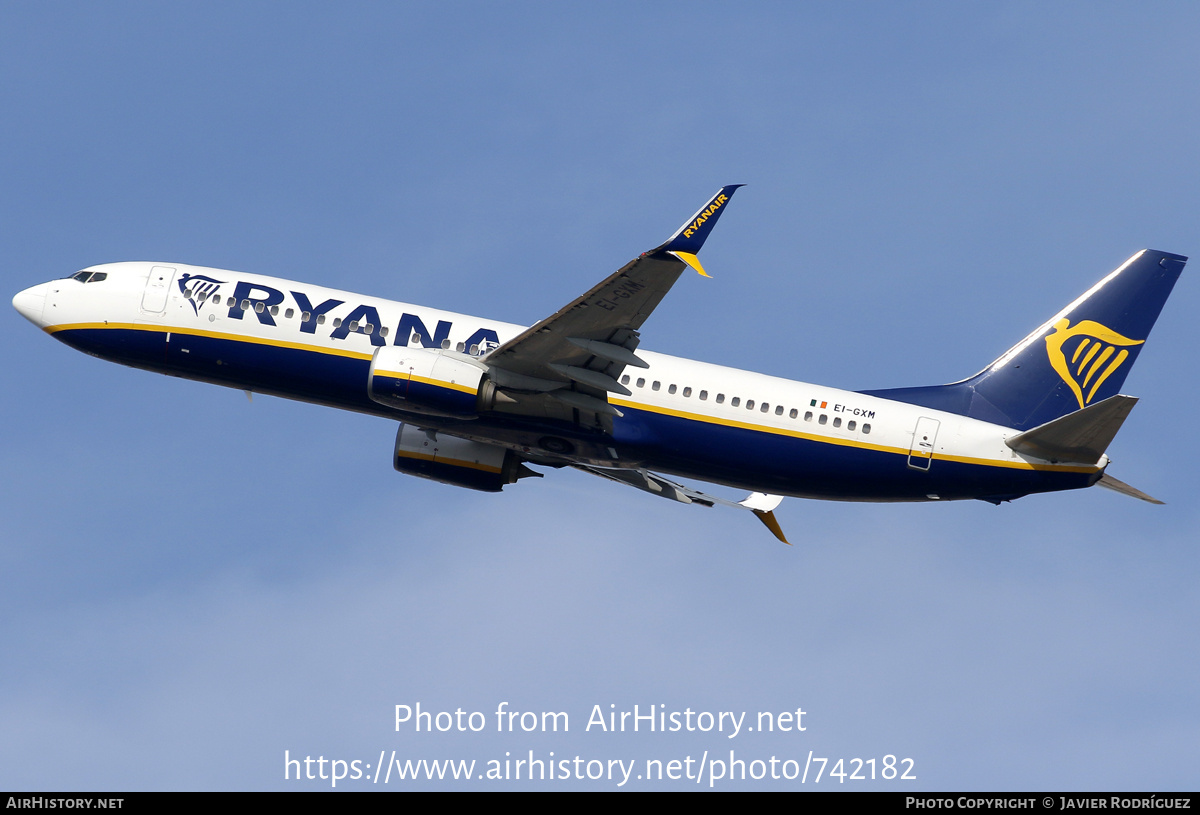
pixel 768 519
pixel 693 261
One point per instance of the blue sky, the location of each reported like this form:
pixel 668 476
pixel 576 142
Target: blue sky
pixel 197 583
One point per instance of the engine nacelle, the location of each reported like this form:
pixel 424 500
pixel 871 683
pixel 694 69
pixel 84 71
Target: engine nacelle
pixel 456 461
pixel 426 380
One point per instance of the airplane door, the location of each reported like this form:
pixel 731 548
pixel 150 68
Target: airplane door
pixel 920 455
pixel 158 286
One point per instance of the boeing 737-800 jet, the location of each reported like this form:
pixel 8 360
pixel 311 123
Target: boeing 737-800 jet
pixel 477 400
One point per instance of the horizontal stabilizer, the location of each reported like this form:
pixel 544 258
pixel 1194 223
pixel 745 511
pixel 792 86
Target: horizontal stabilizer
pixel 1110 483
pixel 1080 437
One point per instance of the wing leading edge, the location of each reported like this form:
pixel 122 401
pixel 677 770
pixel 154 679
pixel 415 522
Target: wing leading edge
pixel 566 365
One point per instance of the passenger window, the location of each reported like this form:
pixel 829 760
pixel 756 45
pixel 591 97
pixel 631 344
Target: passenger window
pixel 808 415
pixel 793 413
pixel 625 379
pixel 720 398
pixel 641 383
pixel 320 319
pixel 337 322
pixel 687 392
pixel 851 424
pixel 765 407
pixel 245 305
pixel 703 396
pixel 866 428
pixel 823 419
pixel 260 307
pixel 291 312
pixel 656 385
pixel 671 389
pixel 462 346
pixel 306 317
pixel 735 401
pixel 274 311
pixel 383 332
pixel 837 422
pixel 353 325
pixel 370 329
pixel 779 411
pixel 749 404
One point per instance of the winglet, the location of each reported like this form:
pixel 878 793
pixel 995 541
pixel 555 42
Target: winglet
pixel 691 260
pixel 688 239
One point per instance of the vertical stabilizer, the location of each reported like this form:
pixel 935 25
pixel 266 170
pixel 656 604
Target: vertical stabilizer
pixel 1079 357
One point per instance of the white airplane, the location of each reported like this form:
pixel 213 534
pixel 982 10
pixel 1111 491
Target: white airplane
pixel 478 400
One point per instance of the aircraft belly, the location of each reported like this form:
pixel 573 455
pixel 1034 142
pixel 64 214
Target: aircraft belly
pixel 783 464
pixel 306 375
pixel 758 460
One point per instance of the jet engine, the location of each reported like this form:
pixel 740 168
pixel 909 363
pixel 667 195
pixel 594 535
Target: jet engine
pixel 455 461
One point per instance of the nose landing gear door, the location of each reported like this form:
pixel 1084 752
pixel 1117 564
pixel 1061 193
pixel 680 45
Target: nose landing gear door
pixel 920 455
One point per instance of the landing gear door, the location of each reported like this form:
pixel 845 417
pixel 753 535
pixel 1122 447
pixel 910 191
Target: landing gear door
pixel 920 455
pixel 158 286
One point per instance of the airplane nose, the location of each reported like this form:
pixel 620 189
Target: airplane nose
pixel 31 302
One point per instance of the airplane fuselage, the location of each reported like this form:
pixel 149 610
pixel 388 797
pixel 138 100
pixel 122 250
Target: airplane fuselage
pixel 682 417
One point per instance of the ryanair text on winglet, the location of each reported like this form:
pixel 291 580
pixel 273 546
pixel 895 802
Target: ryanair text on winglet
pixel 717 203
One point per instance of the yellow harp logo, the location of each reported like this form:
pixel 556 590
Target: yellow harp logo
pixel 1093 355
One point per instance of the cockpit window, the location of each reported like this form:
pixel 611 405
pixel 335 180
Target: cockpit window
pixel 81 276
pixel 97 277
pixel 89 277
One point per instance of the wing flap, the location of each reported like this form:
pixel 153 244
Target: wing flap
pixel 760 504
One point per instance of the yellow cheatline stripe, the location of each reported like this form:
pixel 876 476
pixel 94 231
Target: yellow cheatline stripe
pixel 195 332
pixel 777 431
pixel 473 465
pixel 448 385
pixel 405 376
pixel 696 417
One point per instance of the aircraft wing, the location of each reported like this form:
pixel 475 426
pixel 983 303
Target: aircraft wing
pixel 761 504
pixel 566 365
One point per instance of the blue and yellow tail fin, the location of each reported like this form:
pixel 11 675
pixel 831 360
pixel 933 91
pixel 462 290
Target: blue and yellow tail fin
pixel 1079 357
